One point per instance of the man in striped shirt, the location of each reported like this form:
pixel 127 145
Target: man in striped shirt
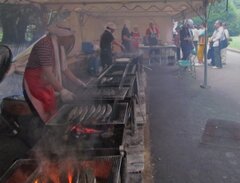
pixel 42 77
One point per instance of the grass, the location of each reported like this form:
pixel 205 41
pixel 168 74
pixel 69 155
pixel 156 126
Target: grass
pixel 1 34
pixel 235 43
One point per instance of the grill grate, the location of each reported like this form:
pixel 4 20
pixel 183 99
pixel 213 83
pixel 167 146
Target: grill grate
pixel 105 169
pixel 114 81
pixel 119 69
pixel 99 117
pixel 19 171
pixel 104 93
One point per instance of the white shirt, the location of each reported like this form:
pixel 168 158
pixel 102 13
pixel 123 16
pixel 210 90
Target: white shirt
pixel 217 36
pixel 195 34
pixel 201 32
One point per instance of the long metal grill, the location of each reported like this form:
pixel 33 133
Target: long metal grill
pixel 104 169
pixel 110 81
pixel 90 114
pixel 107 93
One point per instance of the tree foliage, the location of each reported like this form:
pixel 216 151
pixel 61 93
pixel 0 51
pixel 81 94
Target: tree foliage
pixel 14 20
pixel 220 11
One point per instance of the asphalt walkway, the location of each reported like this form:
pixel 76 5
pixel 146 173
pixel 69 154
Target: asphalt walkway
pixel 179 110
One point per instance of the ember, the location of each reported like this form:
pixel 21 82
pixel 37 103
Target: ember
pixel 72 171
pixel 78 129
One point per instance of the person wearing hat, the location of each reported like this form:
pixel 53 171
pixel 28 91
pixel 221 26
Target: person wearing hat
pixel 186 39
pixel 43 73
pixel 106 41
pixel 136 38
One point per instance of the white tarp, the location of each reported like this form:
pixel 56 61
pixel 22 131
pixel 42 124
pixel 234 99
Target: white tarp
pixel 89 17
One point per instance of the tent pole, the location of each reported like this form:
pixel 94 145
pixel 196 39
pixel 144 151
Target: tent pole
pixel 205 85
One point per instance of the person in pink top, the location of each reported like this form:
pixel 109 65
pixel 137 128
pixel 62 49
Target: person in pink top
pixel 136 38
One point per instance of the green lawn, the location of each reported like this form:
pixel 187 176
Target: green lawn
pixel 235 43
pixel 1 34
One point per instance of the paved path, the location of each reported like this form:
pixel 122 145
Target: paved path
pixel 178 112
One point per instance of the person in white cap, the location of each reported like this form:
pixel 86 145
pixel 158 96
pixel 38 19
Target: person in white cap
pixel 186 39
pixel 43 73
pixel 106 41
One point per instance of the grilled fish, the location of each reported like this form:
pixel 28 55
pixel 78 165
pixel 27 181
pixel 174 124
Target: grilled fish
pixel 98 110
pixel 72 114
pixel 102 112
pixel 108 111
pixel 83 114
pixel 93 118
pixel 80 110
pixel 91 111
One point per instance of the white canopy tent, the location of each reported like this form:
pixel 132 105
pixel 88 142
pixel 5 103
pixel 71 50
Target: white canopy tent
pixel 89 17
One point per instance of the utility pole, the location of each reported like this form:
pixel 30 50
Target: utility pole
pixel 205 5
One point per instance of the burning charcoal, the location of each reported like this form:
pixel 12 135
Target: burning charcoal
pixel 102 112
pixel 70 175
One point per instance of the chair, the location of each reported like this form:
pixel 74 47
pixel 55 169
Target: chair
pixel 187 66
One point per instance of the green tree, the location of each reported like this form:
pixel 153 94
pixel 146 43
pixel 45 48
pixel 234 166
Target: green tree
pixel 219 11
pixel 15 18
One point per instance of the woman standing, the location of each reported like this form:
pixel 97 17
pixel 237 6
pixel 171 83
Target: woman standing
pixel 136 38
pixel 201 44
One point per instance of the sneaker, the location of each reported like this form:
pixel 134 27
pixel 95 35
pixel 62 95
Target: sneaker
pixel 215 67
pixel 198 64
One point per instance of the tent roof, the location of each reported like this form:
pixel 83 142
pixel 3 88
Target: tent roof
pixel 98 1
pixel 177 9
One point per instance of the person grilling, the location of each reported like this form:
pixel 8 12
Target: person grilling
pixel 43 73
pixel 106 42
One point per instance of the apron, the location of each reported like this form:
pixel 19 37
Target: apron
pixel 40 93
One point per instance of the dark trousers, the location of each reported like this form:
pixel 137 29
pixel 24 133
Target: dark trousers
pixel 178 53
pixel 106 58
pixel 153 53
pixel 186 50
pixel 217 57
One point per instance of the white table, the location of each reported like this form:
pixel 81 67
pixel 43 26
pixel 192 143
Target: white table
pixel 165 51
